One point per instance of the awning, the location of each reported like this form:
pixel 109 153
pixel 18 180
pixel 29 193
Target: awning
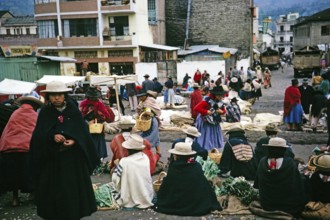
pixel 59 59
pixel 160 47
pixel 67 80
pixel 15 87
pixel 112 80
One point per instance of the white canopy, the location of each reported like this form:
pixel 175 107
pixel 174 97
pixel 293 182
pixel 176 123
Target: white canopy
pixel 14 87
pixel 67 80
pixel 112 80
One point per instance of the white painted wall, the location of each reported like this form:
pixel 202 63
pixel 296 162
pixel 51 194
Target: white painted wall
pixel 212 67
pixel 146 68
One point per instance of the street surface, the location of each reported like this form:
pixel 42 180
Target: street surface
pixel 271 102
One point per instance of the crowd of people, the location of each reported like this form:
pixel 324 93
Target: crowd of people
pixel 49 148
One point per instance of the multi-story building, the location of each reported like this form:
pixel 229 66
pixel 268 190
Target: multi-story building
pixel 105 33
pixel 284 33
pixel 20 31
pixel 313 30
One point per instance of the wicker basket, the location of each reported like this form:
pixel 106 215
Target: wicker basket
pixel 142 124
pixel 159 181
pixel 95 128
pixel 310 165
pixel 215 155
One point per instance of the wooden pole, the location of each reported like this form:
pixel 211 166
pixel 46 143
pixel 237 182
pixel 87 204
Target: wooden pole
pixel 117 97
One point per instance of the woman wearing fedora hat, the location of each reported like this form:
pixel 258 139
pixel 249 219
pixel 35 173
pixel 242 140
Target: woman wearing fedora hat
pixel 209 118
pixel 185 191
pixel 62 158
pixel 148 106
pixel 131 180
pixel 15 145
pixel 92 108
pixel 320 180
pixel 281 186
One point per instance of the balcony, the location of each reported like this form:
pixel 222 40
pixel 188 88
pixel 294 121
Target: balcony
pixel 117 40
pixel 283 43
pixel 69 42
pixel 114 7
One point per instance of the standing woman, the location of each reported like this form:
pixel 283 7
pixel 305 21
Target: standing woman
pixel 62 156
pixel 148 105
pixel 93 110
pixel 209 118
pixel 15 146
pixel 169 92
pixel 293 110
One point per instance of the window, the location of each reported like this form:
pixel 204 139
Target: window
pixel 120 53
pixel 281 28
pixel 85 54
pixel 119 26
pixel 291 27
pixel 47 29
pixel 8 31
pixel 36 2
pixel 27 31
pixel 291 39
pixel 80 27
pixel 325 30
pixel 152 11
pixel 281 39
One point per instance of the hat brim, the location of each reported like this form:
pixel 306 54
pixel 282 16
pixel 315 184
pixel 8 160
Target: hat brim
pixel 146 76
pixel 192 134
pixel 218 93
pixel 142 94
pixel 272 145
pixel 26 98
pixel 58 91
pixel 127 146
pixel 173 151
pixel 319 167
pixel 238 130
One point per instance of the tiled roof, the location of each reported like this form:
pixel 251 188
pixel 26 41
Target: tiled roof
pixel 318 17
pixel 19 21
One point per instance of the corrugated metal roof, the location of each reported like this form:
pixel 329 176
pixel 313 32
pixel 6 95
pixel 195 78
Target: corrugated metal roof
pixel 160 47
pixel 19 21
pixel 317 17
pixel 213 48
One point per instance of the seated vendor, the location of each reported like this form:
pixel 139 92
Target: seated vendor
pixel 118 151
pixel 131 180
pixel 320 180
pixel 280 184
pixel 192 135
pixel 237 156
pixel 185 191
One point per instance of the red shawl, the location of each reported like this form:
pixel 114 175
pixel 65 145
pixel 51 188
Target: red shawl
pixel 291 97
pixel 100 110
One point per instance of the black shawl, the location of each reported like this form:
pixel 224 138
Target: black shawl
pixel 186 192
pixel 319 190
pixel 281 189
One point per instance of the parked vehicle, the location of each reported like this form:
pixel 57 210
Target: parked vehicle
pixel 306 60
pixel 270 58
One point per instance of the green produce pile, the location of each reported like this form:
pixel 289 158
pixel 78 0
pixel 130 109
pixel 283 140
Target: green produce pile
pixel 102 169
pixel 103 196
pixel 209 167
pixel 238 187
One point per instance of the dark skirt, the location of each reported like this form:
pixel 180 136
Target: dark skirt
pixel 64 188
pixel 14 172
pixel 100 144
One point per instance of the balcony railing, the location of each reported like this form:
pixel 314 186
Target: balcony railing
pixel 115 2
pixel 118 40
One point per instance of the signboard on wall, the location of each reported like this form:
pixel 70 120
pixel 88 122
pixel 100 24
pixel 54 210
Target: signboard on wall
pixel 13 51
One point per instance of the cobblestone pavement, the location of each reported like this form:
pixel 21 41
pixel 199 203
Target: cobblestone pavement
pixel 271 102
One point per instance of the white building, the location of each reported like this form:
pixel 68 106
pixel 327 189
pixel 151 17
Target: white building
pixel 284 33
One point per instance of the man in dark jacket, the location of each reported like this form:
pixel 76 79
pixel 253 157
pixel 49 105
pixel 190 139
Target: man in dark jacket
pixel 132 98
pixel 306 92
pixel 237 156
pixel 147 84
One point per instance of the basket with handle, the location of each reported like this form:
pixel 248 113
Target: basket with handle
pixel 142 124
pixel 156 184
pixel 95 128
pixel 215 155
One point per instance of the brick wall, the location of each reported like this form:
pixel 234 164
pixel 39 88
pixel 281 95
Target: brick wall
pixel 223 22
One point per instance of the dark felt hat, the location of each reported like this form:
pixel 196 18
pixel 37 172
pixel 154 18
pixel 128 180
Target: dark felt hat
pixel 218 90
pixel 142 93
pixel 92 92
pixel 146 76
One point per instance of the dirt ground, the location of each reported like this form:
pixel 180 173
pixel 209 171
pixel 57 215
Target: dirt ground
pixel 271 102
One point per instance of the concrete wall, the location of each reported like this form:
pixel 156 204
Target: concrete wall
pixel 212 67
pixel 146 68
pixel 227 23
